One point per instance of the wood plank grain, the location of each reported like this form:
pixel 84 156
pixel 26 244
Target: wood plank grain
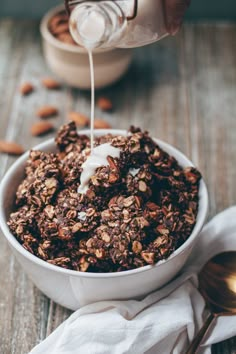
pixel 25 321
pixel 182 89
pixel 25 305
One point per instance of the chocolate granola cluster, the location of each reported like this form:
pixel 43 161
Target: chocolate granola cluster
pixel 137 210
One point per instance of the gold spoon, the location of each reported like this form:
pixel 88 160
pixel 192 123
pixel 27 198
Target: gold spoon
pixel 217 284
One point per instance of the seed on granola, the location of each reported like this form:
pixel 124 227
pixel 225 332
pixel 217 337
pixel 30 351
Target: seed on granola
pixel 129 201
pixel 50 211
pixel 100 253
pixel 105 237
pixel 90 212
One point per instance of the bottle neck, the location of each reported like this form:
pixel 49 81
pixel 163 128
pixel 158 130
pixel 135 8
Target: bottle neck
pixel 97 24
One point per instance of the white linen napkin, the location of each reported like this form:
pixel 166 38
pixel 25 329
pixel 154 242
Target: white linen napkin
pixel 163 322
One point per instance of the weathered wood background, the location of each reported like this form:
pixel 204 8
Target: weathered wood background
pixel 183 90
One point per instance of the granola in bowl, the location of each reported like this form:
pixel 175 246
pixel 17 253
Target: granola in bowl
pixel 138 209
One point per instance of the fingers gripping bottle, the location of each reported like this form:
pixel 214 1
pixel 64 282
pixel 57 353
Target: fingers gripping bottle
pixel 118 23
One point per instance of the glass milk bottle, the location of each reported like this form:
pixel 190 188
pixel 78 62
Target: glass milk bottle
pixel 118 23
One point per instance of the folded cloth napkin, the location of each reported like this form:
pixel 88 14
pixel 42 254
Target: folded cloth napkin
pixel 163 322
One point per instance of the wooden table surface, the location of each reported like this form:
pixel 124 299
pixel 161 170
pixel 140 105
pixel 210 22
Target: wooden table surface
pixel 182 89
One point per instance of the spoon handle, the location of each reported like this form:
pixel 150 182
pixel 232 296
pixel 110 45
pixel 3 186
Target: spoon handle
pixel 199 337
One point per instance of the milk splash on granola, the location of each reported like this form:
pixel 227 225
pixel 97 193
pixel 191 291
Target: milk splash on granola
pixel 97 158
pixel 99 154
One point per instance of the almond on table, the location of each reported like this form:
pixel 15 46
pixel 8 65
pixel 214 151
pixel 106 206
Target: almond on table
pixel 80 119
pixel 47 111
pixel 104 104
pixel 26 88
pixel 41 128
pixel 51 84
pixel 101 124
pixel 11 148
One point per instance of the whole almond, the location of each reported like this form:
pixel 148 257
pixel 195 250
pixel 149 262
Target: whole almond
pixel 60 28
pixel 80 119
pixel 47 111
pixel 26 88
pixel 10 148
pixel 104 104
pixel 57 20
pixel 50 83
pixel 66 38
pixel 41 128
pixel 101 124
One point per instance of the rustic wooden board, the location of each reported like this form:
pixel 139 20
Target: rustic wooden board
pixel 182 90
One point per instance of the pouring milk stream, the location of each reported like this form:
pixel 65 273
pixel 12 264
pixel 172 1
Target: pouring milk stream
pixel 109 24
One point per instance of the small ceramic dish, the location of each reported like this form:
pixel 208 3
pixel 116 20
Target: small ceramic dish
pixel 70 62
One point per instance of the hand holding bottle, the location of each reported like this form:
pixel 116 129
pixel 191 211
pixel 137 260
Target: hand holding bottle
pixel 174 11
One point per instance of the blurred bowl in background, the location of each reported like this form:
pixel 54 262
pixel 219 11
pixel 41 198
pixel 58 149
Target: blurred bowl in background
pixel 70 62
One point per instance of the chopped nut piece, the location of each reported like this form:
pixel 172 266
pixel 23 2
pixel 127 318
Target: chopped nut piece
pixel 137 247
pixel 142 186
pixel 100 253
pixel 148 257
pixel 77 227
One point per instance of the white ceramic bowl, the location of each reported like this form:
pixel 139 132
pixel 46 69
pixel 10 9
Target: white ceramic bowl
pixel 70 62
pixel 73 289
